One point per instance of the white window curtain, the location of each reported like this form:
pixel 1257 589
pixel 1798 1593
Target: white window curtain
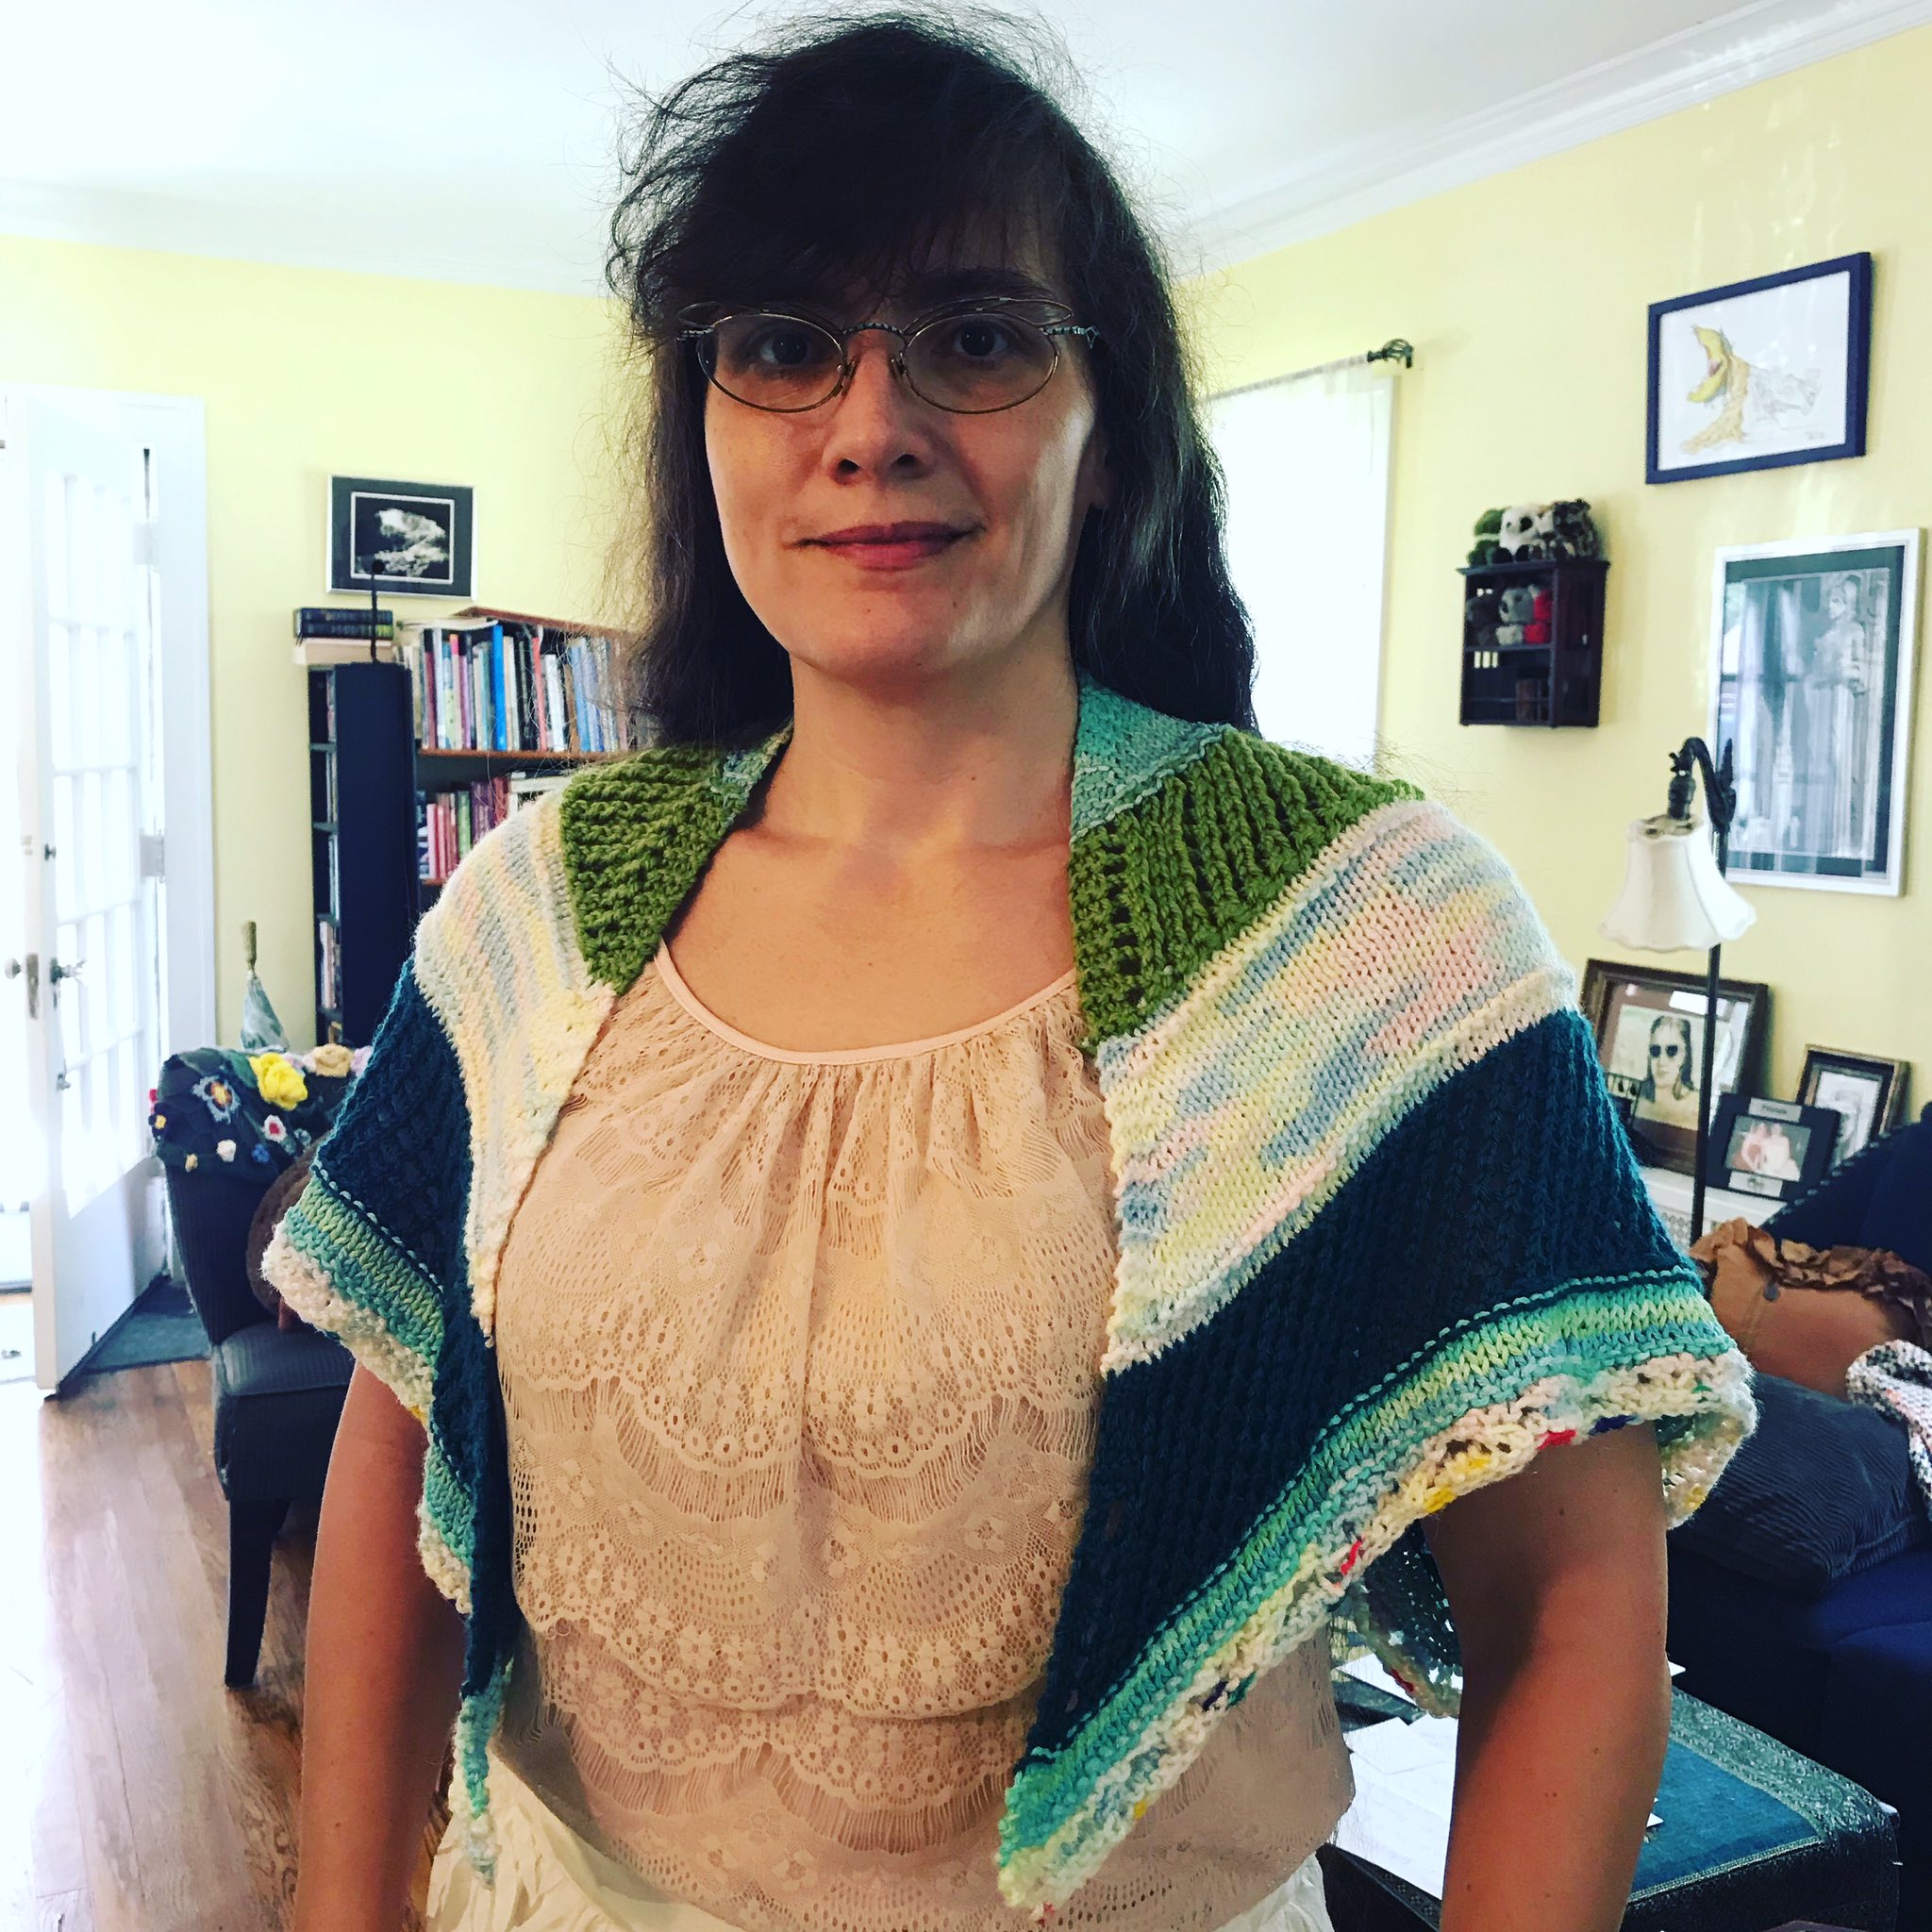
pixel 1306 466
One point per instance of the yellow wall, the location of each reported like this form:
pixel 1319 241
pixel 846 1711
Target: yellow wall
pixel 1526 298
pixel 306 372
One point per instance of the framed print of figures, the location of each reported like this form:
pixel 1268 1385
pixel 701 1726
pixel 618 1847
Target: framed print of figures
pixel 1813 644
pixel 1866 1092
pixel 404 540
pixel 1760 374
pixel 1650 1037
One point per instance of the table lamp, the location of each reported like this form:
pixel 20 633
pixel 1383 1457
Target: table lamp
pixel 1676 899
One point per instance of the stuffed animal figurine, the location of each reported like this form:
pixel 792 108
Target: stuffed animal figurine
pixel 1525 533
pixel 1483 549
pixel 1573 530
pixel 1536 631
pixel 1518 611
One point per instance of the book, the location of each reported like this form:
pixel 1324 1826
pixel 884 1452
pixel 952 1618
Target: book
pixel 339 621
pixel 321 652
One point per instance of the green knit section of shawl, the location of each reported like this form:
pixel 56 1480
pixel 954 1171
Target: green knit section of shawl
pixel 636 835
pixel 1164 883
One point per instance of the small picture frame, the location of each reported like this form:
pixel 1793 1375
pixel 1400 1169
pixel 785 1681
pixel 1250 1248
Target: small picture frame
pixel 1866 1091
pixel 1776 1148
pixel 1649 1025
pixel 401 539
pixel 1757 374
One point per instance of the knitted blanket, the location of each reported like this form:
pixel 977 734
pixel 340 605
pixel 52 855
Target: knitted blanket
pixel 1381 1239
pixel 1896 1377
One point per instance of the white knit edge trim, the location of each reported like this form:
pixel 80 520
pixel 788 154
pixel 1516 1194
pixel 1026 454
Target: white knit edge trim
pixel 312 1296
pixel 1491 1444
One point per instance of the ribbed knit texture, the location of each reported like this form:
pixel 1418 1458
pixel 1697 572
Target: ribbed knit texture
pixel 1380 1239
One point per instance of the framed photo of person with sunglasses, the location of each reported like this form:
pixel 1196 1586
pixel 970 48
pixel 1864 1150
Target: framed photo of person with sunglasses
pixel 1649 1027
pixel 1773 1147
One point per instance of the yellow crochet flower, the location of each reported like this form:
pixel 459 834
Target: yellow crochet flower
pixel 333 1060
pixel 280 1081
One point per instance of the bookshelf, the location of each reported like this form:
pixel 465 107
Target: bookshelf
pixel 394 804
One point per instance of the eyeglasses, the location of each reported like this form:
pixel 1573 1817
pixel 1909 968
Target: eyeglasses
pixel 973 358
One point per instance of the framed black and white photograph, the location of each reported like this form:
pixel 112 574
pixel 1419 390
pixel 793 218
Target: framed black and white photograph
pixel 1812 649
pixel 406 539
pixel 1760 374
pixel 1777 1148
pixel 1866 1091
pixel 1650 1038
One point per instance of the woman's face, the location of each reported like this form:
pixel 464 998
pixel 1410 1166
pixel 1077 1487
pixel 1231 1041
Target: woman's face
pixel 1002 497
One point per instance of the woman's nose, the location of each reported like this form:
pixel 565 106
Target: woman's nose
pixel 877 421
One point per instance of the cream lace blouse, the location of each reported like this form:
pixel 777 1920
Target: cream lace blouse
pixel 799 1356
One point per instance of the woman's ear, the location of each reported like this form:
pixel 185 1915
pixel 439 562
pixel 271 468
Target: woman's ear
pixel 1100 479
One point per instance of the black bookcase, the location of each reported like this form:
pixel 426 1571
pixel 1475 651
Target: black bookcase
pixel 362 840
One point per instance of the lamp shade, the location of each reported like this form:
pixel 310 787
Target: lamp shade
pixel 1675 899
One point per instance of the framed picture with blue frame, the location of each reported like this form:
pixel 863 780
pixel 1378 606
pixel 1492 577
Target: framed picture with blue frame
pixel 1760 374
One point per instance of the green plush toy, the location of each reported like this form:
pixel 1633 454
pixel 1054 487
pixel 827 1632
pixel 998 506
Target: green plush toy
pixel 1488 527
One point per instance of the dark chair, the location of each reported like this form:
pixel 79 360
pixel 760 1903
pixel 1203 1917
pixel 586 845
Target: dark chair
pixel 1843 1675
pixel 277 1393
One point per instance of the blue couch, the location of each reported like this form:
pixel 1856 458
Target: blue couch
pixel 1845 1676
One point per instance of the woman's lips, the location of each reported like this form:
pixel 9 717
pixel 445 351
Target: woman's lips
pixel 894 548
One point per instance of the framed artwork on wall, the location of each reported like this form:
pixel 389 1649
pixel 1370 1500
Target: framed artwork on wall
pixel 1773 1147
pixel 1812 652
pixel 404 540
pixel 1759 374
pixel 1867 1093
pixel 1650 1037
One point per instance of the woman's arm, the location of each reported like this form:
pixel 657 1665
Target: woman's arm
pixel 384 1665
pixel 1557 1580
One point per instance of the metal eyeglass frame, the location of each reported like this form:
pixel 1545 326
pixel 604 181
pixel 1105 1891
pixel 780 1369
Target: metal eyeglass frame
pixel 952 311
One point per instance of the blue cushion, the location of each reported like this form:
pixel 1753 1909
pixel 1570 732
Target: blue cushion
pixel 1823 1491
pixel 1764 1654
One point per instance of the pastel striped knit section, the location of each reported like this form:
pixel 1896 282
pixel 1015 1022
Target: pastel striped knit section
pixel 502 970
pixel 1407 952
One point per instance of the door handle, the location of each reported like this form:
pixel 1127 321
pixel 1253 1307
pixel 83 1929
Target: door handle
pixel 13 969
pixel 56 972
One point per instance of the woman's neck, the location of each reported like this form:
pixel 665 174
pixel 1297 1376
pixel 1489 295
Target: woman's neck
pixel 982 759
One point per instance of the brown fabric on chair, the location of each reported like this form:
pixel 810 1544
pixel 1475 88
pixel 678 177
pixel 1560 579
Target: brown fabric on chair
pixel 280 1196
pixel 1808 1313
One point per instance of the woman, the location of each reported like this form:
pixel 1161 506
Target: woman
pixel 948 1222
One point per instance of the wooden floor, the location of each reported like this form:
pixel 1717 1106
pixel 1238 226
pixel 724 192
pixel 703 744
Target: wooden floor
pixel 137 1794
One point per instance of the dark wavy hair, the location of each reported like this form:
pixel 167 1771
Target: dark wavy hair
pixel 845 151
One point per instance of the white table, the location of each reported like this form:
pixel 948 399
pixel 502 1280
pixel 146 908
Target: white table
pixel 1670 1191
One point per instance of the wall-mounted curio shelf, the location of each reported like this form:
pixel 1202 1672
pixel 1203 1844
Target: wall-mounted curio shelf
pixel 1533 641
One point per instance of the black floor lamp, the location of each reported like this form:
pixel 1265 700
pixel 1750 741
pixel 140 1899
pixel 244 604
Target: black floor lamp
pixel 1676 899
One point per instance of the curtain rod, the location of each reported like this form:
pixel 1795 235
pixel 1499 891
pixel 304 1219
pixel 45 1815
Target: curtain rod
pixel 1394 350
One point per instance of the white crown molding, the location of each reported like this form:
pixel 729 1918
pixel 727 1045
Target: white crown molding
pixel 179 224
pixel 1345 185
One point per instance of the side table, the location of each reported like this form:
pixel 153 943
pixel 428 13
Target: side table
pixel 1752 1832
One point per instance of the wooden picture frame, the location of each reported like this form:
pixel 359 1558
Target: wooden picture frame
pixel 1866 1090
pixel 1632 1008
pixel 1760 374
pixel 1774 1148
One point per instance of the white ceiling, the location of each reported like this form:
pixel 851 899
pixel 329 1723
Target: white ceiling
pixel 474 141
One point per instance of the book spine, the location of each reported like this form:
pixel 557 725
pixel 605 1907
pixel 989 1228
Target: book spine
pixel 499 703
pixel 552 692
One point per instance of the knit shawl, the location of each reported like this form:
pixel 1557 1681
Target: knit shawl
pixel 1380 1237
